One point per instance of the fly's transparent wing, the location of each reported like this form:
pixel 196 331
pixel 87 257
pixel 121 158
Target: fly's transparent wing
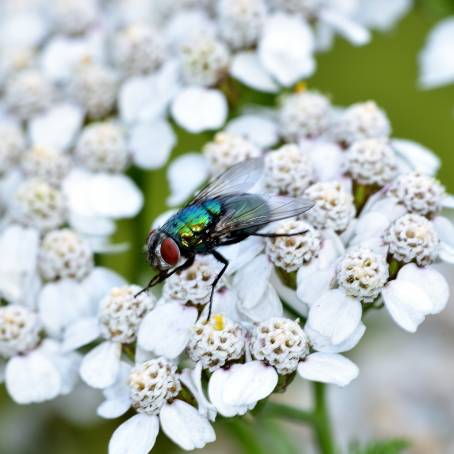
pixel 254 211
pixel 237 179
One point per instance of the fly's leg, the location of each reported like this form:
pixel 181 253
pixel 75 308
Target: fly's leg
pixel 220 258
pixel 163 275
pixel 277 235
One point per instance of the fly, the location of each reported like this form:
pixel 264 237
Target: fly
pixel 221 214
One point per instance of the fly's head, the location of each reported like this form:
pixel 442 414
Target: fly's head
pixel 163 252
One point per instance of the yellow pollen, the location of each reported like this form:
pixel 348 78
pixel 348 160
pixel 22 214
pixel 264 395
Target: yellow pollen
pixel 300 87
pixel 218 322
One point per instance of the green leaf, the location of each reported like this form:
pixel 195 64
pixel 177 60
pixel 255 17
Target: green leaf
pixel 393 446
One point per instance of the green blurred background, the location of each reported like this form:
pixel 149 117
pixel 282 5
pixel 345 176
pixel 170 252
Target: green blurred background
pixel 385 71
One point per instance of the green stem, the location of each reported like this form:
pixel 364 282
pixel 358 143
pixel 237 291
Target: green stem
pixel 322 426
pixel 290 413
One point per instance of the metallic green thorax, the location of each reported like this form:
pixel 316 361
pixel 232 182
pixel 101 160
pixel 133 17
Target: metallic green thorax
pixel 187 226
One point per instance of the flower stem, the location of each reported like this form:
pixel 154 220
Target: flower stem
pixel 290 413
pixel 322 424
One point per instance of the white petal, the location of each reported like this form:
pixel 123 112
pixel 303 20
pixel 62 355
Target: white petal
pixel 288 295
pixel 80 333
pixel 436 62
pixel 151 143
pixel 258 271
pixel 313 282
pixel 242 253
pixel 101 365
pixel 137 435
pixel 268 305
pixel 323 343
pixel 286 48
pixel 327 159
pixel 32 378
pixel 406 304
pixel 335 315
pixel 61 303
pixel 328 368
pixel 227 303
pixel 168 321
pixel 257 128
pixel 445 230
pixel 185 174
pixel 417 156
pixel 199 109
pixel 68 365
pixel 192 379
pixel 355 33
pixel 19 248
pixel 430 282
pixel 57 127
pixel 382 14
pixel 184 426
pixel 99 282
pixel 102 195
pixel 370 226
pixel 250 382
pixel 247 68
pixel 25 29
pixel 114 408
pixel 216 386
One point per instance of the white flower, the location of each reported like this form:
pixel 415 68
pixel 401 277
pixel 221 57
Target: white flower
pixel 74 16
pixel 306 114
pixel 291 252
pixel 37 204
pixel 419 193
pixel 334 208
pixel 241 21
pixel 28 93
pixel 412 237
pixel 361 121
pixel 12 145
pixel 216 342
pixel 279 342
pixel 94 87
pixel 154 387
pixel 228 149
pixel 288 171
pixel 371 162
pixel 138 49
pixel 33 373
pixel 362 273
pixel 435 62
pixel 204 60
pixel 119 318
pixel 102 148
pixel 46 164
pixel 63 254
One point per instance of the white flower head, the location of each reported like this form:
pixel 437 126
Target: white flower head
pixel 102 148
pixel 292 252
pixel 74 17
pixel 64 255
pixel 216 342
pixel 308 8
pixel 94 87
pixel 361 121
pixel 46 164
pixel 152 384
pixel 288 171
pixel 372 162
pixel 139 49
pixel 19 330
pixel 204 60
pixel 334 208
pixel 12 145
pixel 37 204
pixel 28 93
pixel 362 273
pixel 279 342
pixel 228 149
pixel 419 193
pixel 302 115
pixel 192 285
pixel 121 312
pixel 241 21
pixel 412 238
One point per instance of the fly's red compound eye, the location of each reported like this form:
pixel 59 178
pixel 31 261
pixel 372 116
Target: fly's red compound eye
pixel 170 251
